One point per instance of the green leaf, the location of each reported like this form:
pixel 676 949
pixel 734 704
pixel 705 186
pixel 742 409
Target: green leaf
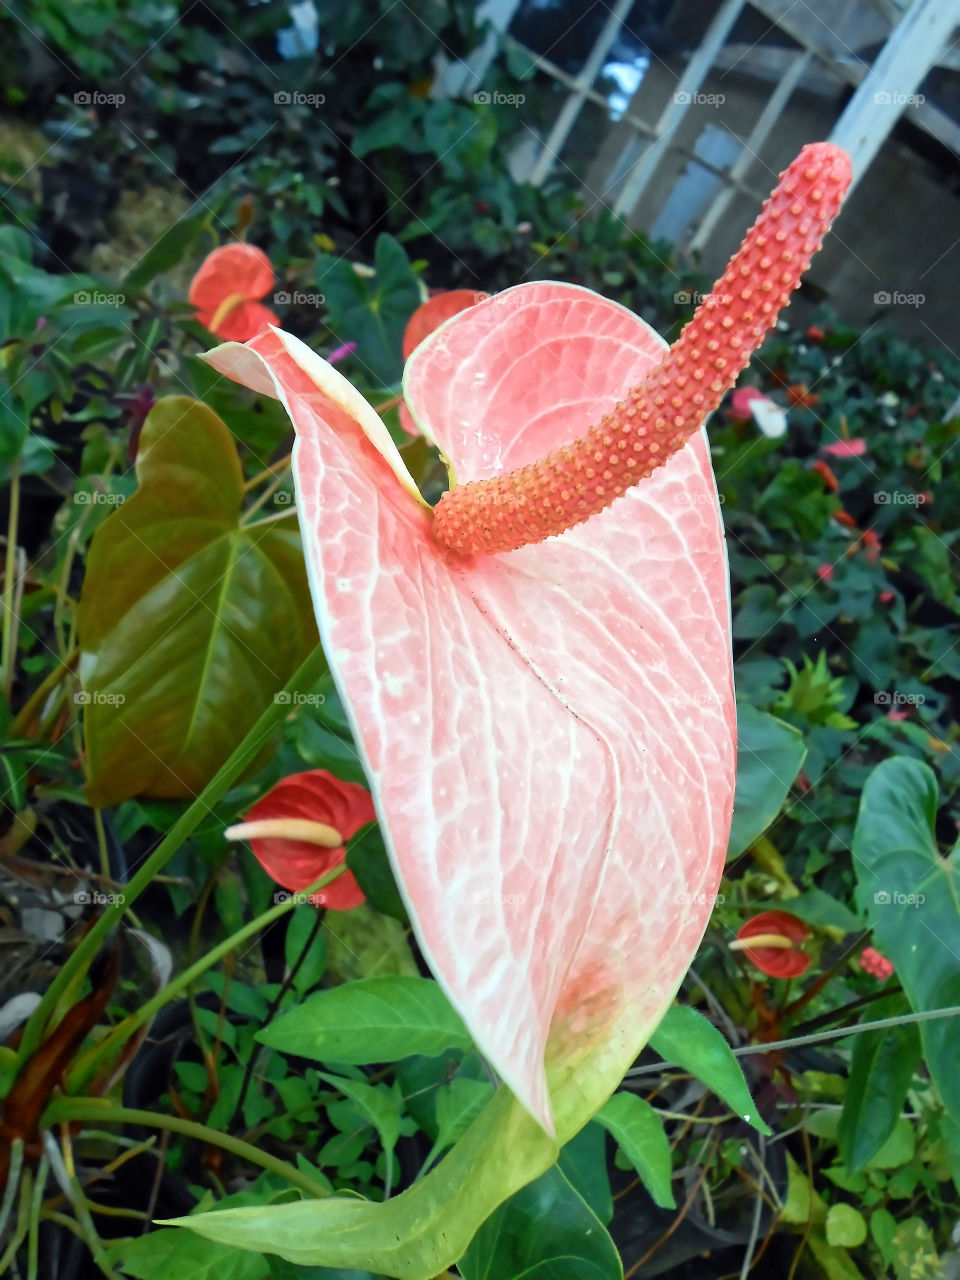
pixel 411 1236
pixel 372 311
pixel 846 1228
pixel 583 1162
pixel 377 1103
pixel 688 1039
pixel 298 941
pixel 639 1132
pixel 544 1232
pixel 770 754
pixel 373 1020
pixel 168 251
pixel 458 1105
pixel 188 623
pixel 171 1255
pixel 911 897
pixel 881 1069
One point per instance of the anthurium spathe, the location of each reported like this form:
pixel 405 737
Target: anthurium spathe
pixel 538 675
pixel 298 832
pixel 227 288
pixel 773 941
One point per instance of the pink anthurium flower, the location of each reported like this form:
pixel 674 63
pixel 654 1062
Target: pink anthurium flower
pixel 298 831
pixel 877 965
pixel 226 290
pixel 538 670
pixel 846 448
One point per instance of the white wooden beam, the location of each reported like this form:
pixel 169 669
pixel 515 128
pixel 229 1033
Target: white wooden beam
pixel 892 82
pixel 584 82
pixel 758 135
pixel 687 87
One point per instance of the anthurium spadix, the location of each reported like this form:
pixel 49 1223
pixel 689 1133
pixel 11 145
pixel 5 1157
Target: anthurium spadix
pixel 538 675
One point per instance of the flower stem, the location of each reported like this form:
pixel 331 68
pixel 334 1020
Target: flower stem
pixel 102 1111
pixel 85 1067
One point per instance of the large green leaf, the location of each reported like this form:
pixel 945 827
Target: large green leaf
pixel 188 622
pixel 171 1255
pixel 880 1073
pixel 687 1038
pixel 373 1020
pixel 372 310
pixel 912 899
pixel 544 1232
pixel 769 756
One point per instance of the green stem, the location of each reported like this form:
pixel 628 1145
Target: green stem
pixel 85 1067
pixel 34 704
pixel 306 676
pixel 7 662
pixel 838 1033
pixel 101 1111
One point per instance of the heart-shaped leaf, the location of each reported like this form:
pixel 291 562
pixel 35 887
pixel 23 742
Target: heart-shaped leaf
pixel 770 754
pixel 189 622
pixel 912 899
pixel 546 1231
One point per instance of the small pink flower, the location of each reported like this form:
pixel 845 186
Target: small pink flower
pixel 898 714
pixel 886 597
pixel 825 572
pixel 846 448
pixel 738 409
pixel 878 966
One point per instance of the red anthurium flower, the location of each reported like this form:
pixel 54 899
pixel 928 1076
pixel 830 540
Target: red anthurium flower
pixel 846 448
pixel 825 472
pixel 800 394
pixel 815 333
pixel 875 964
pixel 825 572
pixel 299 831
pixel 538 670
pixel 226 290
pixel 770 941
pixel 871 544
pixel 886 597
pixel 428 317
pixel 845 518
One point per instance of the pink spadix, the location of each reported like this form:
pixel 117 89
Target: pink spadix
pixel 659 415
pixel 541 691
